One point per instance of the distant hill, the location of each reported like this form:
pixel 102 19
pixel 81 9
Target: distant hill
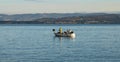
pixel 96 19
pixel 30 17
pixel 61 18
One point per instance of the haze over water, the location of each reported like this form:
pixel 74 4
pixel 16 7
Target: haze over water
pixel 37 43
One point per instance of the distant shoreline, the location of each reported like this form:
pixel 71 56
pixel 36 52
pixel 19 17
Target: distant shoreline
pixel 75 18
pixel 59 24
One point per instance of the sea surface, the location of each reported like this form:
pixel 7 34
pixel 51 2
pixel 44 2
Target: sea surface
pixel 37 43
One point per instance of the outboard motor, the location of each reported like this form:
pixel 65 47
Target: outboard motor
pixel 73 35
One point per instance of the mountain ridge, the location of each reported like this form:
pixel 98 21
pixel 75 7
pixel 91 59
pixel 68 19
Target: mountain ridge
pixel 58 18
pixel 30 17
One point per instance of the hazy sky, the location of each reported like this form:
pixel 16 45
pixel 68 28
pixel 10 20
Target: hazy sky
pixel 58 6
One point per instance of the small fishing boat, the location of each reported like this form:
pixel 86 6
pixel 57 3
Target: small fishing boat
pixel 68 33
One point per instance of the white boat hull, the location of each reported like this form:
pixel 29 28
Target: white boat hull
pixel 65 35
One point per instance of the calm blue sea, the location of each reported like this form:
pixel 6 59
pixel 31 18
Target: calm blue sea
pixel 37 43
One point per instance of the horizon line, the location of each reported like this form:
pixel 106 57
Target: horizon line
pixel 109 12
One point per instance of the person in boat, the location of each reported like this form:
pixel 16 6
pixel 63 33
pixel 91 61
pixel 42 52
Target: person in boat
pixel 65 32
pixel 60 30
pixel 69 30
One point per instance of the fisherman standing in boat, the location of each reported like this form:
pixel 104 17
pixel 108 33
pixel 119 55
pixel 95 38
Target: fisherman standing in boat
pixel 60 30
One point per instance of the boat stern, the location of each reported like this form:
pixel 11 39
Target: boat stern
pixel 72 35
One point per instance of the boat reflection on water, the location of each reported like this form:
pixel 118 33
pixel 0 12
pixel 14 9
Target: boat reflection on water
pixel 63 42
